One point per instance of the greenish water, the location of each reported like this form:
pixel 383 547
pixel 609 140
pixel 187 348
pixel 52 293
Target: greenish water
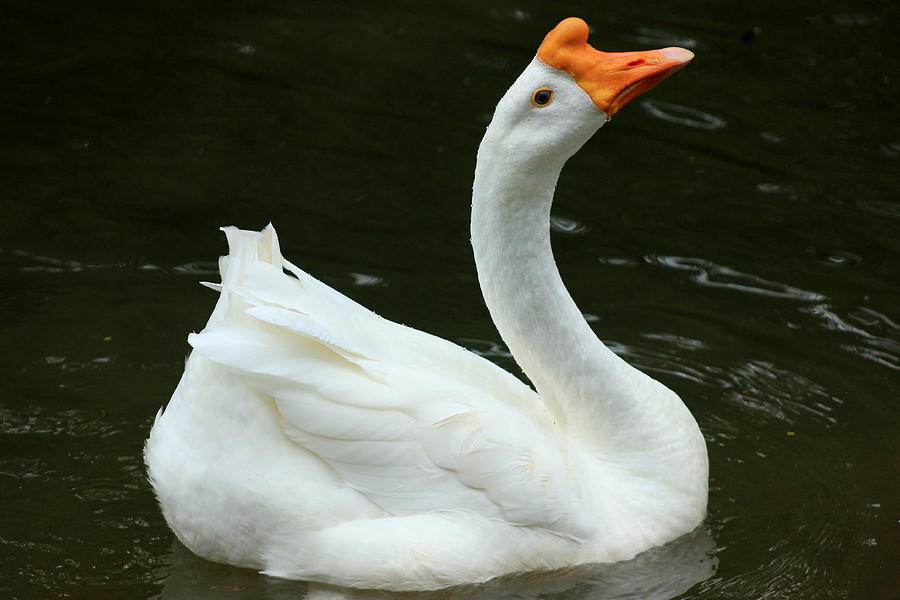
pixel 734 233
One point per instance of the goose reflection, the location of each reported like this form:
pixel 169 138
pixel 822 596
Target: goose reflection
pixel 658 574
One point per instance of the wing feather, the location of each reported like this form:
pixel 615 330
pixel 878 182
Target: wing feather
pixel 413 422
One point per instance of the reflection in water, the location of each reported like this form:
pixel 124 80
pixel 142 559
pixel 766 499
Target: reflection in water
pixel 658 574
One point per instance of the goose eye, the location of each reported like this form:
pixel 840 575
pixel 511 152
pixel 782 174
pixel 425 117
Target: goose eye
pixel 541 97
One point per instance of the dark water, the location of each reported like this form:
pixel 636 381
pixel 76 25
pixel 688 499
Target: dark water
pixel 734 233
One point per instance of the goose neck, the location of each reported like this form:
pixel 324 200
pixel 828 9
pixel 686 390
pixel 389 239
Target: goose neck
pixel 575 374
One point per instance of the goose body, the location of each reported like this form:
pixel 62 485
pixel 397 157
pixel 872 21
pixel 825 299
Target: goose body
pixel 310 438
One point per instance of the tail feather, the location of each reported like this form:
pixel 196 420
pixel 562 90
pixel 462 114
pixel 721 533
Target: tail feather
pixel 260 288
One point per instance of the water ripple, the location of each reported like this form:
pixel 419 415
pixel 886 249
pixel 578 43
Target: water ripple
pixel 25 468
pixel 710 274
pixel 496 63
pixel 798 559
pixel 365 279
pixel 880 207
pixel 48 264
pixel 837 258
pixel 880 349
pixel 78 365
pixel 854 19
pixel 683 115
pixel 198 267
pixel 885 359
pixel 515 14
pixel 238 47
pixel 668 362
pixel 618 261
pixel 676 340
pixel 31 420
pixel 486 348
pixel 38 263
pixel 659 37
pixel 101 489
pixel 790 398
pixel 754 386
pixel 564 225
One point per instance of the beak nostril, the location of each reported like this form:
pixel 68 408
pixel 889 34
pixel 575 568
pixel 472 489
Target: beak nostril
pixel 636 62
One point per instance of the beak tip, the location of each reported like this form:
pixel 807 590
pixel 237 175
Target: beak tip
pixel 681 55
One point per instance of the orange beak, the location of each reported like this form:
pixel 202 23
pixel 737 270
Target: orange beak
pixel 611 79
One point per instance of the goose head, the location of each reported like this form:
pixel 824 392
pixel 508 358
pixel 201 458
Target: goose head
pixel 569 90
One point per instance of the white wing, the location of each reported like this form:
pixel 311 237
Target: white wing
pixel 411 421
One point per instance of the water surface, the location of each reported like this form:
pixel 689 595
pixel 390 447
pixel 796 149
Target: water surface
pixel 733 233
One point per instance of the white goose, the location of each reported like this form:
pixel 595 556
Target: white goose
pixel 310 438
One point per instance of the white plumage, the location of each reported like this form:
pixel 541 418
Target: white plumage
pixel 310 438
